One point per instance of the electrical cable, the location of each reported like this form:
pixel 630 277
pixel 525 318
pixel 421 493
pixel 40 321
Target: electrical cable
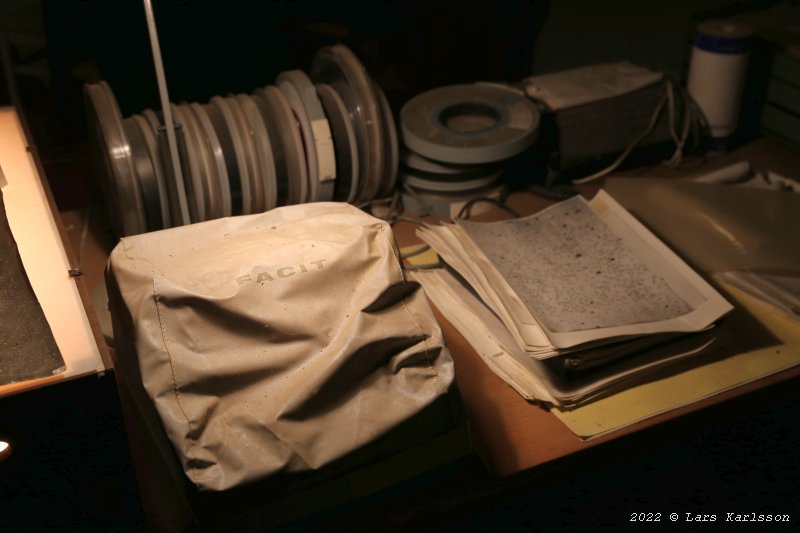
pixel 464 213
pixel 613 166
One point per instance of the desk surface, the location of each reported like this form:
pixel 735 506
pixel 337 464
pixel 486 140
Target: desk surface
pixel 510 434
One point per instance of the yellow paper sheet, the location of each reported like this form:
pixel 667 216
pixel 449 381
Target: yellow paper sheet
pixel 419 258
pixel 650 399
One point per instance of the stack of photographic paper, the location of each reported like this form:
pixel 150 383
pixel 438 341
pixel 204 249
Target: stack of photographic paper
pixel 573 302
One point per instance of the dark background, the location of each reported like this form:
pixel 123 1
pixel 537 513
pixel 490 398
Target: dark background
pixel 212 48
pixel 76 474
pixel 231 46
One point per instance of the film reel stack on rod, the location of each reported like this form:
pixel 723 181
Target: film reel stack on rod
pixel 324 136
pixel 456 142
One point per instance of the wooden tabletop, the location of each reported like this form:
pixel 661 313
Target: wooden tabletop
pixel 513 435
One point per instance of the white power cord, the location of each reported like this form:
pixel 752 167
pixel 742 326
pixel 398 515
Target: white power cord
pixel 613 166
pixel 680 140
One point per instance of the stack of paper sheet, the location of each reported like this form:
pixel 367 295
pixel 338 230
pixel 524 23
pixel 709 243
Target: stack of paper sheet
pixel 573 302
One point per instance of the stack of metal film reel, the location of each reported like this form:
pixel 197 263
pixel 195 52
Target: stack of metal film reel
pixel 457 139
pixel 326 136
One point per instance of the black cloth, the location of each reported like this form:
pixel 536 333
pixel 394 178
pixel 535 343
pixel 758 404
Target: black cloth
pixel 27 347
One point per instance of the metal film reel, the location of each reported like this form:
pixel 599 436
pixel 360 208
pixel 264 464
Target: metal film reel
pixel 451 183
pixel 470 123
pixel 338 67
pixel 243 154
pixel 237 150
pixel 264 158
pixel 220 184
pixel 255 186
pixel 316 132
pixel 229 155
pixel 145 174
pixel 191 173
pixel 149 134
pixel 112 154
pixel 283 128
pixel 345 144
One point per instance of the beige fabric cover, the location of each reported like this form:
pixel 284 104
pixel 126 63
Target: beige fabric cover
pixel 279 341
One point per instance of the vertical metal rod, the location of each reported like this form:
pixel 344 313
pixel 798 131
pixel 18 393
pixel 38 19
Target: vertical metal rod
pixel 165 106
